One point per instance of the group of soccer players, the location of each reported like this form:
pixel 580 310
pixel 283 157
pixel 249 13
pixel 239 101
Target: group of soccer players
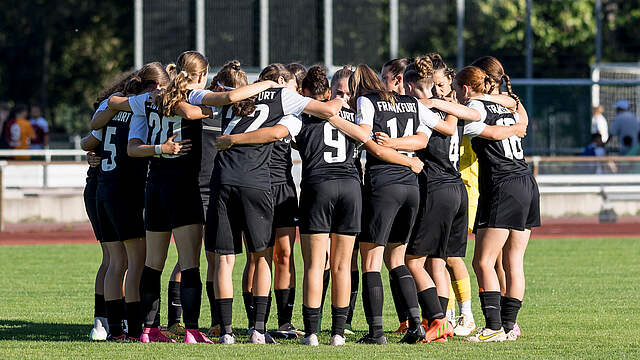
pixel 171 159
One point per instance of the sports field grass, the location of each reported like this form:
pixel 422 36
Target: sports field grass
pixel 582 301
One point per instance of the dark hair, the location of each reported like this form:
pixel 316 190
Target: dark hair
pixel 495 71
pixel 343 73
pixel 17 109
pixel 299 71
pixel 397 66
pixel 150 74
pixel 420 71
pixel 274 71
pixel 316 81
pixel 188 66
pixel 365 81
pixel 232 75
pixel 117 86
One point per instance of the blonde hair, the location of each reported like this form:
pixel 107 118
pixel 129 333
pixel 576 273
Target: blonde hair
pixel 188 67
pixel 365 81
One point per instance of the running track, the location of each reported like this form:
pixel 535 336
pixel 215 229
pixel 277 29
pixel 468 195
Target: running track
pixel 81 233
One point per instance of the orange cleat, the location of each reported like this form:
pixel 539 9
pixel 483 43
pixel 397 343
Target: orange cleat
pixel 439 329
pixel 404 326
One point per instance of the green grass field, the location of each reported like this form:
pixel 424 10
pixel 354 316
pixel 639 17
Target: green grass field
pixel 582 301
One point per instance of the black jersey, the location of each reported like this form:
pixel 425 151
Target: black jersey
pixel 396 120
pixel 115 164
pixel 168 166
pixel 211 129
pixel 248 165
pixel 327 154
pixel 441 157
pixel 280 162
pixel 498 160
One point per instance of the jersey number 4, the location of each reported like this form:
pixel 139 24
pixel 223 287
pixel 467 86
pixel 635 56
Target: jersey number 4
pixel 513 145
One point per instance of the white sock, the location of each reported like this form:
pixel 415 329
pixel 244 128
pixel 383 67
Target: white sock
pixel 465 308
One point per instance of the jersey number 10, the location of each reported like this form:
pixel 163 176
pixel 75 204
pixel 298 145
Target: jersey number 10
pixel 513 145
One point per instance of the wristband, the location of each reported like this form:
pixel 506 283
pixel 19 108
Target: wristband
pixel 158 149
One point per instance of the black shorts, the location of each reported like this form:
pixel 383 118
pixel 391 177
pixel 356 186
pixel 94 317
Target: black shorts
pixel 333 206
pixel 441 227
pixel 91 206
pixel 120 209
pixel 205 195
pixel 235 210
pixel 511 204
pixel 285 205
pixel 169 205
pixel 389 213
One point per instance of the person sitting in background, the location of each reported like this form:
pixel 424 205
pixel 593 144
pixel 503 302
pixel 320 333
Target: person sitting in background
pixel 599 123
pixel 625 123
pixel 18 131
pixel 41 129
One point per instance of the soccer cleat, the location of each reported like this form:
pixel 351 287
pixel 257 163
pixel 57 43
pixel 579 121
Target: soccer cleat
pixel 404 326
pixel 176 329
pixel 464 325
pixel 516 330
pixel 337 340
pixel 348 330
pixel 488 335
pixel 269 339
pixel 150 335
pixel 98 334
pixel 214 331
pixel 227 339
pixel 368 339
pixel 121 338
pixel 311 340
pixel 194 336
pixel 412 336
pixel 125 326
pixel 286 331
pixel 511 336
pixel 440 328
pixel 257 338
pixel 133 339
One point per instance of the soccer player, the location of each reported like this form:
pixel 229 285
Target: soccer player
pixel 243 202
pixel 507 210
pixel 173 204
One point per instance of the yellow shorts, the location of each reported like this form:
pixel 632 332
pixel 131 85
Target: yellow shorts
pixel 469 172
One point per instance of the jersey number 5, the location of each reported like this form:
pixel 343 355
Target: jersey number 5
pixel 110 163
pixel 513 145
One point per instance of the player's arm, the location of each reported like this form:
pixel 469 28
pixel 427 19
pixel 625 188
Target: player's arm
pixel 405 143
pixel 323 109
pixel 221 98
pixel 500 99
pixel 136 146
pixel 89 142
pixel 193 112
pixel 498 132
pixel 103 114
pixel 457 110
pixel 288 125
pixel 392 156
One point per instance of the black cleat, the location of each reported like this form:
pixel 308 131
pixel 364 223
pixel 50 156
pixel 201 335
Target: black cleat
pixel 368 339
pixel 414 335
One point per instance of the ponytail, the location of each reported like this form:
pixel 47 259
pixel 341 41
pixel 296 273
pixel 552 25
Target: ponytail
pixel 189 66
pixel 507 82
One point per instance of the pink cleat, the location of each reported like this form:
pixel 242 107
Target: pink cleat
pixel 194 336
pixel 154 335
pixel 516 330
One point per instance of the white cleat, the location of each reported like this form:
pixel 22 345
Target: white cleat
pixel 464 325
pixel 227 339
pixel 337 340
pixel 488 335
pixel 99 332
pixel 311 340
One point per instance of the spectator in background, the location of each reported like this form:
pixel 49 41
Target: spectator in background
pixel 635 149
pixel 595 148
pixel 599 123
pixel 624 124
pixel 18 131
pixel 41 129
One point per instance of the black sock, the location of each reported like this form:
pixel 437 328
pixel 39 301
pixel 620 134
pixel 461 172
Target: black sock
pixel 191 296
pixel 224 310
pixel 430 304
pixel 310 318
pixel 268 312
pixel 282 297
pixel 260 304
pixel 211 296
pixel 372 301
pixel 338 319
pixel 290 303
pixel 248 308
pixel 397 299
pixel 355 281
pixel 150 296
pixel 99 308
pixel 134 318
pixel 509 308
pixel 408 293
pixel 444 303
pixel 490 303
pixel 115 311
pixel 174 304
